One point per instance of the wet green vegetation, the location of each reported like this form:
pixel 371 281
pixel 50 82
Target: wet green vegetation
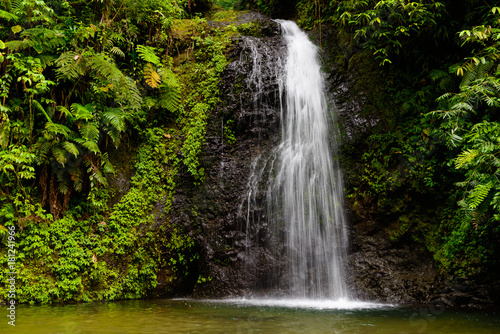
pixel 105 103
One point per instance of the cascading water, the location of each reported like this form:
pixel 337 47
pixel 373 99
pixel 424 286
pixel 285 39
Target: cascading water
pixel 304 184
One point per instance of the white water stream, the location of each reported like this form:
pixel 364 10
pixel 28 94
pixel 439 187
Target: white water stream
pixel 304 188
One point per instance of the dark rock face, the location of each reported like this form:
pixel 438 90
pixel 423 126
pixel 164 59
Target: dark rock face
pixel 390 272
pixel 215 212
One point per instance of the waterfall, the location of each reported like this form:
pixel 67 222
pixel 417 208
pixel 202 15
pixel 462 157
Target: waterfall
pixel 304 187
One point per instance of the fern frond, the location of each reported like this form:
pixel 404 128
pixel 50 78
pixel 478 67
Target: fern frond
pixel 436 75
pixel 107 166
pixel 147 54
pixel 151 77
pixel 89 132
pixel 462 106
pixel 92 147
pixel 46 60
pixel 62 182
pixel 71 148
pixel 82 112
pixel 77 178
pixel 99 177
pixel 117 51
pixel 116 37
pixel 64 111
pixel 70 65
pixel 115 117
pixel 478 194
pixel 38 106
pixel 18 45
pixel 114 134
pixel 60 154
pixel 475 72
pixel 170 91
pixel 8 16
pixel 466 157
pixel 125 88
pixel 43 149
pixel 4 134
pixel 42 39
pixel 57 129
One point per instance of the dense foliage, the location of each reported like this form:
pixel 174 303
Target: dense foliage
pixel 428 169
pixel 104 103
pixel 94 94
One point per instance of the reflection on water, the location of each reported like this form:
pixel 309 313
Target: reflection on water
pixel 240 316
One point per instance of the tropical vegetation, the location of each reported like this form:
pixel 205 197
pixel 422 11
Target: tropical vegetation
pixel 104 103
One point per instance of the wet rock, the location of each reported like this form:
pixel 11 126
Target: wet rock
pixel 251 105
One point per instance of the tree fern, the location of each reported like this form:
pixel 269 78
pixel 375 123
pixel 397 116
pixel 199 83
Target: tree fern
pixel 70 65
pixel 71 148
pixel 170 91
pixel 478 194
pixel 82 112
pixel 89 132
pixel 151 77
pixel 147 54
pixel 125 88
pixel 92 147
pixel 465 158
pixel 475 72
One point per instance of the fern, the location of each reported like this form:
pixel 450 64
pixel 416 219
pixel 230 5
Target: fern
pixel 71 148
pixel 465 158
pixel 40 39
pixel 92 147
pixel 60 154
pixel 117 51
pixel 475 72
pixel 63 182
pixel 170 91
pixel 55 129
pixel 89 132
pixel 478 194
pixel 77 177
pixel 126 90
pixel 115 117
pixel 147 54
pixel 107 166
pixel 4 132
pixel 8 16
pixel 82 112
pixel 43 149
pixel 151 77
pixel 70 65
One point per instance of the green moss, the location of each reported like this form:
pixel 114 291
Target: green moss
pixel 226 16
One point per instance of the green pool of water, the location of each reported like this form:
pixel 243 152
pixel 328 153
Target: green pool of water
pixel 236 316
